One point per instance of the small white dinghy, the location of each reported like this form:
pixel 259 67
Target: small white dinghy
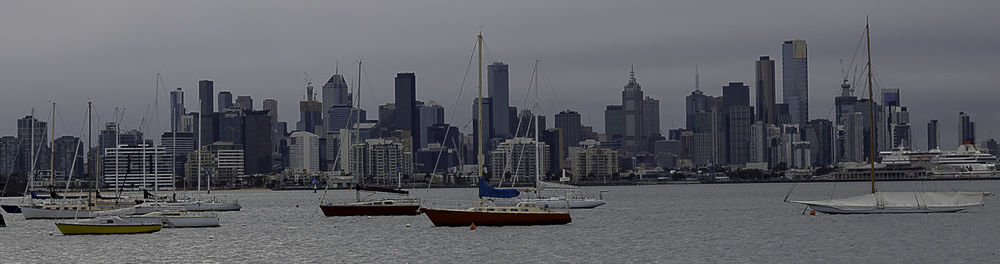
pixel 178 219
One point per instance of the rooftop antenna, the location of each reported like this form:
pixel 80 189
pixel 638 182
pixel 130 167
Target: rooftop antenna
pixel 845 88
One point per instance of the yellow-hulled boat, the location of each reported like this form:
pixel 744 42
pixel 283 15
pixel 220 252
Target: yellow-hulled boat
pixel 107 226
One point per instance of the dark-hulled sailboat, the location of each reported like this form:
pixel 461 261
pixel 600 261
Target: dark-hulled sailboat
pixel 524 213
pixel 391 206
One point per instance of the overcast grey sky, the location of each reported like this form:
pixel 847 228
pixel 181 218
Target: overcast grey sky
pixel 943 55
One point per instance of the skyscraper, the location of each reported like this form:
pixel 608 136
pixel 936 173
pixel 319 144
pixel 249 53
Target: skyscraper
pixel 765 90
pixel 430 114
pixel 225 100
pixel 304 151
pixel 257 141
pixel 497 79
pixel 407 117
pixel 933 135
pixel 650 121
pixel 966 129
pixel 736 101
pixel 335 92
pixel 569 122
pixel 310 112
pixel 271 105
pixel 614 122
pixel 206 121
pixel 632 102
pixel 206 89
pixel 176 109
pixel 819 134
pixel 244 102
pixel 795 80
pixel 33 137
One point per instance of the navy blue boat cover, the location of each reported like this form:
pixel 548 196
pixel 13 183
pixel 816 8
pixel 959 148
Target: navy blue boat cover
pixel 485 190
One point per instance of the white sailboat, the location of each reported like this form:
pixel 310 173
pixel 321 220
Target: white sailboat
pixel 178 219
pixel 878 202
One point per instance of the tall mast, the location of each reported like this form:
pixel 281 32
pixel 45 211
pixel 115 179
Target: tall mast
pixel 479 106
pixel 200 115
pixel 52 152
pixel 871 103
pixel 90 135
pixel 538 147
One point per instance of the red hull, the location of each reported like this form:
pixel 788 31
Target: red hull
pixel 355 210
pixel 445 217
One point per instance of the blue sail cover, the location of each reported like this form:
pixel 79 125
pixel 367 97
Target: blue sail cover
pixel 485 190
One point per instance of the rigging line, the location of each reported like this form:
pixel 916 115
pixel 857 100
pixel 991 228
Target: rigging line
pixel 76 152
pixel 548 82
pixel 451 118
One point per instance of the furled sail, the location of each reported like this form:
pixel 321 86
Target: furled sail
pixel 485 190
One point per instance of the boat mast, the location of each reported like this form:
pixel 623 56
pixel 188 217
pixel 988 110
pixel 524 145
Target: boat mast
pixel 52 152
pixel 479 107
pixel 200 116
pixel 538 147
pixel 871 104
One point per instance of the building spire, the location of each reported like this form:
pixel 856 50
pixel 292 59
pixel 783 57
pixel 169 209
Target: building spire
pixel 697 79
pixel 631 74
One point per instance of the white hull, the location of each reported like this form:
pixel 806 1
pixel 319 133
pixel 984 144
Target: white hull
pixel 554 202
pixel 899 203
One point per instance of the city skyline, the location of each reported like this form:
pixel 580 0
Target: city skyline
pixel 593 68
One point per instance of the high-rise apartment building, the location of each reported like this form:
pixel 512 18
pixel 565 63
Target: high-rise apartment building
pixel 244 102
pixel 739 117
pixel 569 122
pixel 966 129
pixel 795 80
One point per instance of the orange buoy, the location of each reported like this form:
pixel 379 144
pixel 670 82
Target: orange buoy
pixel 472 226
pixel 812 212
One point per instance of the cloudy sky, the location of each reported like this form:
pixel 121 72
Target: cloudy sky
pixel 943 55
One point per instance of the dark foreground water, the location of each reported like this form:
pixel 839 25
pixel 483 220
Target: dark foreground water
pixel 725 223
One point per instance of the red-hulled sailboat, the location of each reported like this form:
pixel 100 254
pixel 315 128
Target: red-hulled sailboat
pixel 389 206
pixel 525 213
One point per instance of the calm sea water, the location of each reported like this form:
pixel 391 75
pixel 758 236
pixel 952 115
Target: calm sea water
pixel 723 223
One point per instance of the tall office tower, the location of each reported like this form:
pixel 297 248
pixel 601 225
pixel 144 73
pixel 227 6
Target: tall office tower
pixel 335 92
pixel 933 135
pixel 614 123
pixel 569 122
pixel 176 109
pixel 68 157
pixel 781 114
pixel 765 90
pixel 271 105
pixel 206 122
pixel 526 123
pixel 32 135
pixel 819 134
pixel 344 117
pixel 497 79
pixel 966 129
pixel 795 80
pixel 632 103
pixel 206 91
pixel 430 114
pixel 310 112
pixel 736 103
pixel 650 120
pixel 244 102
pixel 890 97
pixel 696 102
pixel 303 148
pixel 407 117
pixel 257 144
pixel 225 100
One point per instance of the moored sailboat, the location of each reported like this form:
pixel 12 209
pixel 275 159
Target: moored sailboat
pixel 525 213
pixel 107 226
pixel 878 202
pixel 388 206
